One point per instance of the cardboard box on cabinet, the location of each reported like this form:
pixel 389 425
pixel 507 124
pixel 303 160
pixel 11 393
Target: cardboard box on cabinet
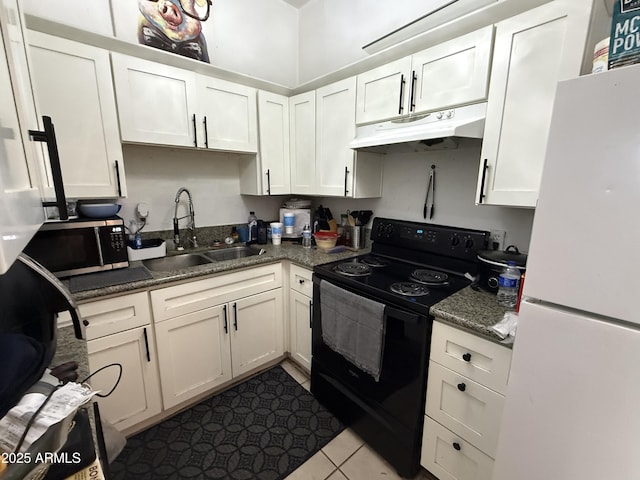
pixel 624 43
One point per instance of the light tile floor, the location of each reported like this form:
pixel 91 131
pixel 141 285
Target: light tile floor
pixel 346 457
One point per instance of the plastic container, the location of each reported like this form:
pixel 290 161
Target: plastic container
pixel 252 224
pixel 325 240
pixel 276 232
pixel 306 236
pixel 508 285
pixel 289 222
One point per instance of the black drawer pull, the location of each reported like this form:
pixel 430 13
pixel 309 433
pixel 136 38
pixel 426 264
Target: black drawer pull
pixel 462 387
pixel 85 323
pixel 456 446
pixel 466 357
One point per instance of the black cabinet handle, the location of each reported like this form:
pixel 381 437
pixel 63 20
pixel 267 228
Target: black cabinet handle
pixel 456 446
pixel 402 83
pixel 118 179
pixel 462 387
pixel 346 174
pixel 226 325
pixel 310 314
pixel 146 343
pixel 195 131
pixel 206 133
pixel 485 167
pixel 235 316
pixel 466 357
pixel 412 102
pixel 48 135
pixel 268 181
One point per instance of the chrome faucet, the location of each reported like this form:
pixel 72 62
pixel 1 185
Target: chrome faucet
pixel 192 223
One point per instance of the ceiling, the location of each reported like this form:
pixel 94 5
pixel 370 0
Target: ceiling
pixel 297 3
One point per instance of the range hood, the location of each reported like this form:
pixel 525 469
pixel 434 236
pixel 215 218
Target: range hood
pixel 426 129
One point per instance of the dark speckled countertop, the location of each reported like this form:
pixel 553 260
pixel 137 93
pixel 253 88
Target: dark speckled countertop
pixel 305 257
pixel 473 310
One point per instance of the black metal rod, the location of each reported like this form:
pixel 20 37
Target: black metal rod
pixel 118 179
pixel 268 181
pixel 195 130
pixel 346 174
pixel 485 167
pixel 146 344
pixel 49 136
pixel 226 326
pixel 310 314
pixel 235 316
pixel 412 105
pixel 402 82
pixel 206 133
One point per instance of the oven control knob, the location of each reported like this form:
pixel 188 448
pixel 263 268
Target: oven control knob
pixel 455 241
pixel 468 243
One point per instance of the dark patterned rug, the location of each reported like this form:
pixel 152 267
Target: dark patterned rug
pixel 263 428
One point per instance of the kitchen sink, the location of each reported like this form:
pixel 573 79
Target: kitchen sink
pixel 230 253
pixel 176 262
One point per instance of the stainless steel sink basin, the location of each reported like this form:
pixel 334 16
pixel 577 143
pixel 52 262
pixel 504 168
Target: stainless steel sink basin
pixel 230 253
pixel 176 262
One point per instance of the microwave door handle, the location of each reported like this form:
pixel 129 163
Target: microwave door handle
pixel 96 231
pixel 48 135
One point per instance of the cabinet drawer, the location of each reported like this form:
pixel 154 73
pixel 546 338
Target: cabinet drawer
pixel 112 315
pixel 300 280
pixel 449 457
pixel 193 296
pixel 480 360
pixel 464 407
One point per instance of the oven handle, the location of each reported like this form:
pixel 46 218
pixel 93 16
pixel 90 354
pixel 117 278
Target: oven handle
pixel 403 315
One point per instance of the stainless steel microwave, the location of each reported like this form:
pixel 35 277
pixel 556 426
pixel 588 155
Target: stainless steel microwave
pixel 80 246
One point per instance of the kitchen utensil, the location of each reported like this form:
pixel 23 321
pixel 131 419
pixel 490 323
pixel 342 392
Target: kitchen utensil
pixel 429 205
pixel 364 216
pixel 98 210
pixel 350 219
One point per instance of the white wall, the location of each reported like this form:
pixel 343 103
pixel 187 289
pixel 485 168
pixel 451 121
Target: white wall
pixel 154 175
pixel 333 32
pixel 404 188
pixel 253 37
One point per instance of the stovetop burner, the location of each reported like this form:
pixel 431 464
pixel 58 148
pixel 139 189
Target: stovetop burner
pixel 430 277
pixel 409 289
pixel 353 269
pixel 375 261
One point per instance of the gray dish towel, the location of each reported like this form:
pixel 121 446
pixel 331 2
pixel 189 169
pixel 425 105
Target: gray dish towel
pixel 354 327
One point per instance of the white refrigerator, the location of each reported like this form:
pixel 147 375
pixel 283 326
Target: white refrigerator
pixel 572 409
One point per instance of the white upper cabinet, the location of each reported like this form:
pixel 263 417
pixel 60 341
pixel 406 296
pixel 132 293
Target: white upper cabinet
pixel 302 127
pixel 21 214
pixel 446 75
pixel 73 85
pixel 533 51
pixel 156 102
pixel 164 105
pixel 268 172
pixel 229 115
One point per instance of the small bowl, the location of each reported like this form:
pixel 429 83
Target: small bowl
pixel 325 240
pixel 98 210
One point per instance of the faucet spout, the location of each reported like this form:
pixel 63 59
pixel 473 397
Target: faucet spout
pixel 191 226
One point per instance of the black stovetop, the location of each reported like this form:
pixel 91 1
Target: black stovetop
pixel 404 247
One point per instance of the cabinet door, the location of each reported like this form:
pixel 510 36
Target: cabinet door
pixel 21 214
pixel 449 457
pixel 137 396
pixel 452 73
pixel 73 84
pixel 302 112
pixel 227 115
pixel 383 92
pixel 257 330
pixel 533 51
pixel 274 152
pixel 194 354
pixel 156 102
pixel 464 407
pixel 300 320
pixel 335 128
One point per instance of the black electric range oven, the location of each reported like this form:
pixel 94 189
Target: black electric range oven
pixel 411 267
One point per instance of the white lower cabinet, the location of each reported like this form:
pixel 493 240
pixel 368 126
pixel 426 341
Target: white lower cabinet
pixel 210 331
pixel 300 314
pixel 113 340
pixel 465 398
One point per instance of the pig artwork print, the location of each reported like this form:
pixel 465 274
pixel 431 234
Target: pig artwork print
pixel 175 26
